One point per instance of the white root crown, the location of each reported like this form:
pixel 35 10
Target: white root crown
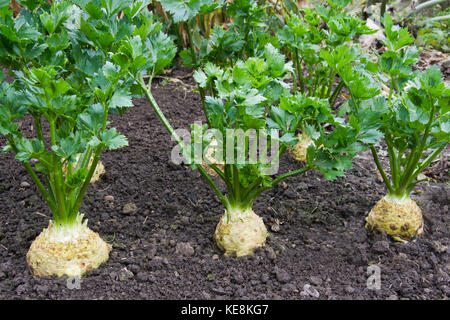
pixel 298 152
pixel 242 234
pixel 70 250
pixel 401 218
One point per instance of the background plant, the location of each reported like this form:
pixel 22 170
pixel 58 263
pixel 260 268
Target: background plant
pixel 413 118
pixel 68 87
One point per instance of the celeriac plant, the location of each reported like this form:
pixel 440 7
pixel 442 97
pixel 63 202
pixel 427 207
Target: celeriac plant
pixel 251 97
pixel 309 38
pixel 414 119
pixel 67 89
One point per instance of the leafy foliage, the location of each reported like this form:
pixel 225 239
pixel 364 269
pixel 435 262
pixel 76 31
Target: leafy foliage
pixel 68 79
pixel 311 36
pixel 185 10
pixel 413 116
pixel 252 96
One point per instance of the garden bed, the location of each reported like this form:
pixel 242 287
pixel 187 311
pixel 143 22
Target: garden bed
pixel 164 249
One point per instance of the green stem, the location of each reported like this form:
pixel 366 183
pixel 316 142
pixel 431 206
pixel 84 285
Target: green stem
pixel 236 183
pixel 255 184
pixel 423 165
pixel 289 174
pixel 177 138
pixel 315 85
pixel 195 62
pixel 380 169
pixel 47 197
pixel 383 9
pixel 87 181
pixel 392 161
pixel 56 176
pixel 335 93
pixel 38 125
pixel 78 196
pixel 105 116
pixel 416 154
pixel 191 44
pixel 330 84
pixel 391 90
pixel 298 66
pixel 230 186
pixel 203 99
pixel 59 189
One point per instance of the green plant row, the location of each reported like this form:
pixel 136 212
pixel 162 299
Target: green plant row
pixel 74 63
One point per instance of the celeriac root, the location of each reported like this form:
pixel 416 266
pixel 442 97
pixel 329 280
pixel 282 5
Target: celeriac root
pixel 242 234
pixel 400 218
pixel 67 250
pixel 298 152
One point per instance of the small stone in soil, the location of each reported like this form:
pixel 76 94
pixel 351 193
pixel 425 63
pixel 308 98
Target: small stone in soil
pixel 41 289
pixel 184 220
pixel 24 184
pixel 125 274
pixel 129 208
pixel 109 198
pixel 219 291
pixel 403 256
pixel 275 227
pixel 240 292
pixel 307 288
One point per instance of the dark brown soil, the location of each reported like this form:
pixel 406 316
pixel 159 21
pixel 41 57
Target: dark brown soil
pixel 317 235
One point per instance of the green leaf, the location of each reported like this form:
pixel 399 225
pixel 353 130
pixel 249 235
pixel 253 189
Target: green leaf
pixel 252 100
pixel 28 149
pixel 184 10
pixel 68 147
pixel 371 136
pixel 113 140
pixel 114 6
pixel 160 51
pixel 120 99
pixel 95 11
pixel 92 119
pixel 275 61
pixel 201 78
pixel 289 139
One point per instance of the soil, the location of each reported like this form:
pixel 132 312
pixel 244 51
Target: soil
pixel 163 244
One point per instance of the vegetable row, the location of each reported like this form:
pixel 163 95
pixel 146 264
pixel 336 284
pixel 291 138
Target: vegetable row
pixel 74 63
